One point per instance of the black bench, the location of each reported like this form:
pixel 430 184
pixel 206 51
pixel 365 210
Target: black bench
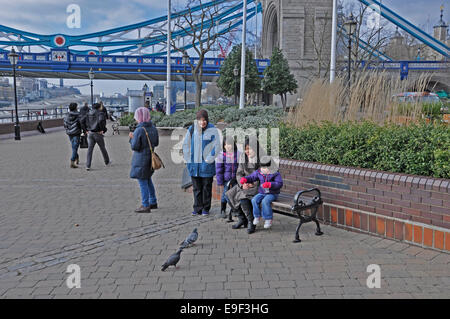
pixel 304 200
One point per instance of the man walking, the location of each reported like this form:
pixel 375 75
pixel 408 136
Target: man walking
pixel 72 124
pixel 95 124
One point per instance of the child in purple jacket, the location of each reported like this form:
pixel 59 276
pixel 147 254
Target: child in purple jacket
pixel 226 167
pixel 268 191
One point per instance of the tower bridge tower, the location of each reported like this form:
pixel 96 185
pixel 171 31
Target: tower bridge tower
pixel 302 29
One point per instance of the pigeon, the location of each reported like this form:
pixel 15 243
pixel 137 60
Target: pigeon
pixel 190 239
pixel 172 260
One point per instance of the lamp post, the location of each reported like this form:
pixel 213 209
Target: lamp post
pixel 13 58
pixel 256 31
pixel 185 61
pixel 91 77
pixel 236 74
pixel 350 28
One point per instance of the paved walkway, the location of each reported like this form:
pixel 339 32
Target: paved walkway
pixel 52 216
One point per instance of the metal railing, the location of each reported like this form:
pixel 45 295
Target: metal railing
pixel 9 116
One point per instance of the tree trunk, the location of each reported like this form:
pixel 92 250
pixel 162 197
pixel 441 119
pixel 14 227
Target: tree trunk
pixel 198 91
pixel 283 100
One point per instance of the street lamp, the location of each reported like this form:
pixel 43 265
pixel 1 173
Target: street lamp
pixel 350 28
pixel 185 61
pixel 13 58
pixel 236 74
pixel 91 77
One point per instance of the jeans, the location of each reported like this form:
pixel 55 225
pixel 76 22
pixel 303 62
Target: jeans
pixel 224 198
pixel 265 201
pixel 75 142
pixel 96 138
pixel 202 189
pixel 148 193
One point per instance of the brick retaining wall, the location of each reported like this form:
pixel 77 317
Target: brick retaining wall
pixel 408 208
pixel 8 128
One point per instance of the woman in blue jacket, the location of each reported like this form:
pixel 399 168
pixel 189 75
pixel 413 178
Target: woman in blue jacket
pixel 200 147
pixel 142 158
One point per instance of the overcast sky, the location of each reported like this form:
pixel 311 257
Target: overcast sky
pixel 49 17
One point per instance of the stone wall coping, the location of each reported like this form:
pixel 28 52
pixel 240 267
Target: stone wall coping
pixel 402 179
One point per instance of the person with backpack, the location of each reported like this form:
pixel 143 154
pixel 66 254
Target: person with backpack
pixel 72 124
pixel 95 124
pixel 143 141
pixel 201 146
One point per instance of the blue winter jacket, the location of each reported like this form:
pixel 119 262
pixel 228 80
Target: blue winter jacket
pixel 201 150
pixel 141 160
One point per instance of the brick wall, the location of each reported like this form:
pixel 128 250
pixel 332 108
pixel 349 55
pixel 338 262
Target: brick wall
pixel 8 128
pixel 408 208
pixel 414 209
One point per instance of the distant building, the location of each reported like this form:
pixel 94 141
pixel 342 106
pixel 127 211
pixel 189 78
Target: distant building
pixel 398 49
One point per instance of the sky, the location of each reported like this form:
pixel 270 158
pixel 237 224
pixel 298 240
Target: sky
pixel 49 17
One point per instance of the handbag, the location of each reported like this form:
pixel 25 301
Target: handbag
pixel 157 163
pixel 84 141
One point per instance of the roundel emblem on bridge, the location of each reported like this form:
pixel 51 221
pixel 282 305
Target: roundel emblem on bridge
pixel 59 40
pixel 91 52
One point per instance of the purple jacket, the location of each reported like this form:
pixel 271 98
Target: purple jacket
pixel 226 168
pixel 275 180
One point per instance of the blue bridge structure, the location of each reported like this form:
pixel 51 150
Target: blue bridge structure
pixel 138 51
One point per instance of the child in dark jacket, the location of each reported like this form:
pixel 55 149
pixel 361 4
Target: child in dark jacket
pixel 268 191
pixel 226 167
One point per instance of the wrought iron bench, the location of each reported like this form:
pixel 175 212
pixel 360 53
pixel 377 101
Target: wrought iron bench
pixel 304 200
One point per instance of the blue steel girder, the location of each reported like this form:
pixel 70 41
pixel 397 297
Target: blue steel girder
pixel 408 27
pixel 24 38
pixel 109 67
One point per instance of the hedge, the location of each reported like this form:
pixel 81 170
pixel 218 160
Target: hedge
pixel 419 149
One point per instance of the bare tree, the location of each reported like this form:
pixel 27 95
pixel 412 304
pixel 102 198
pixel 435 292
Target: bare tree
pixel 200 28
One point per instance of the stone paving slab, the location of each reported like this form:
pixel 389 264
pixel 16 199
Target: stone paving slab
pixel 53 216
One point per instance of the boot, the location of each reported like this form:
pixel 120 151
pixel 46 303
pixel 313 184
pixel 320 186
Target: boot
pixel 251 228
pixel 77 161
pixel 72 164
pixel 242 221
pixel 223 210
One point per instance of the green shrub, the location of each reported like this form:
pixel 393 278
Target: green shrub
pixel 127 120
pixel 422 149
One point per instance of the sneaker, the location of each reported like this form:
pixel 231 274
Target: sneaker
pixel 143 209
pixel 205 213
pixel 108 164
pixel 153 206
pixel 88 168
pixel 268 223
pixel 256 221
pixel 194 213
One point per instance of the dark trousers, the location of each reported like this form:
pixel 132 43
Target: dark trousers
pixel 202 189
pixel 247 208
pixel 96 138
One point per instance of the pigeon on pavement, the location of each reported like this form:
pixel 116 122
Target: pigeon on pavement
pixel 172 260
pixel 190 239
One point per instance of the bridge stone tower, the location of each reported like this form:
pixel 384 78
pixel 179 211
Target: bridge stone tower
pixel 302 29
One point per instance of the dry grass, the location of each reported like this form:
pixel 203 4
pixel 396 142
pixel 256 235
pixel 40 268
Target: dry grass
pixel 370 99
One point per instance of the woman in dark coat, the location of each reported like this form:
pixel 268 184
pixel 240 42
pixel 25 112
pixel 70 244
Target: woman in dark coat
pixel 240 196
pixel 142 158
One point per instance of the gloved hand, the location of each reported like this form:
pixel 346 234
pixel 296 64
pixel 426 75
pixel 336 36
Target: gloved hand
pixel 266 185
pixel 243 180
